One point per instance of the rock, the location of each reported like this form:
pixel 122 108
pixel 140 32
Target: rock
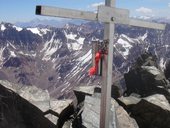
pixel 167 69
pixel 159 100
pixel 91 112
pixel 124 120
pixel 82 91
pixel 149 115
pixel 145 79
pixel 129 100
pixel 149 112
pixel 16 112
pixel 118 116
pixel 148 100
pixel 56 111
pixel 146 59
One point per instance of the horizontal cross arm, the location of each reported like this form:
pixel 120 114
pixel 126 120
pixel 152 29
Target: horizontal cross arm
pixel 113 15
pixel 140 23
pixel 65 13
pixel 121 16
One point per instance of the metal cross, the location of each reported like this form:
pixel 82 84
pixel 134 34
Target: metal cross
pixel 109 15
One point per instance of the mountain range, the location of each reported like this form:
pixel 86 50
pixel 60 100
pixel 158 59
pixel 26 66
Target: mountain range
pixel 58 58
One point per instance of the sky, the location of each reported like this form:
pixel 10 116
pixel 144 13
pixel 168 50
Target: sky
pixel 24 10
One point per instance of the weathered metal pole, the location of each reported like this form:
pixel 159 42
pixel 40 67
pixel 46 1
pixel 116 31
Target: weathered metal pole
pixel 105 121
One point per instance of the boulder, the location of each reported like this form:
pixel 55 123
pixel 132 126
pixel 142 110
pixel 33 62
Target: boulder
pixel 118 116
pixel 17 112
pixel 81 91
pixel 144 78
pixel 149 112
pixel 57 112
pixel 148 100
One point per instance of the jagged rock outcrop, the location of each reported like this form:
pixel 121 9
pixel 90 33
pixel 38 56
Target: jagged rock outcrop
pixel 167 69
pixel 16 112
pixel 144 78
pixel 148 100
pixel 145 105
pixel 149 112
pixel 89 110
pixel 31 107
pixel 118 116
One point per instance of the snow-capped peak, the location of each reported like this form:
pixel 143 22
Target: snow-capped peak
pixel 35 31
pixel 3 27
pixel 76 43
pixel 143 17
pixel 39 31
pixel 18 28
pixel 44 30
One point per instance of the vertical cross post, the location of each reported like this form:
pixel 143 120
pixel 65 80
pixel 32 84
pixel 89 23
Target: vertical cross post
pixel 107 73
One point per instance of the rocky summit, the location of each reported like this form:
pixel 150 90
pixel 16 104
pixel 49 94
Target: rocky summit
pixel 144 104
pixel 147 97
pixel 47 69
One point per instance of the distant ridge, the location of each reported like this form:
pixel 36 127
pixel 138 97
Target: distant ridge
pixel 58 22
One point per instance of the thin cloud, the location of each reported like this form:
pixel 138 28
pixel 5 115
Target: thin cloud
pixel 95 5
pixel 144 10
pixel 169 5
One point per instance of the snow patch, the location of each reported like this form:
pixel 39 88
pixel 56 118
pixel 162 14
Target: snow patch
pixel 12 46
pixel 126 37
pixel 3 27
pixel 126 45
pixel 1 54
pixel 74 46
pixel 162 64
pixel 77 43
pixel 26 54
pixel 70 36
pixel 12 53
pixel 50 47
pixel 86 58
pixel 152 69
pixel 143 37
pixel 35 31
pixel 18 28
pixel 166 46
pixel 81 40
pixel 45 30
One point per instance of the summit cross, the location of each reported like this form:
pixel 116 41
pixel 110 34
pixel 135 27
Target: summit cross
pixel 110 15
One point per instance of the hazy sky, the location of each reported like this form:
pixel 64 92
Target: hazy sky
pixel 24 10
